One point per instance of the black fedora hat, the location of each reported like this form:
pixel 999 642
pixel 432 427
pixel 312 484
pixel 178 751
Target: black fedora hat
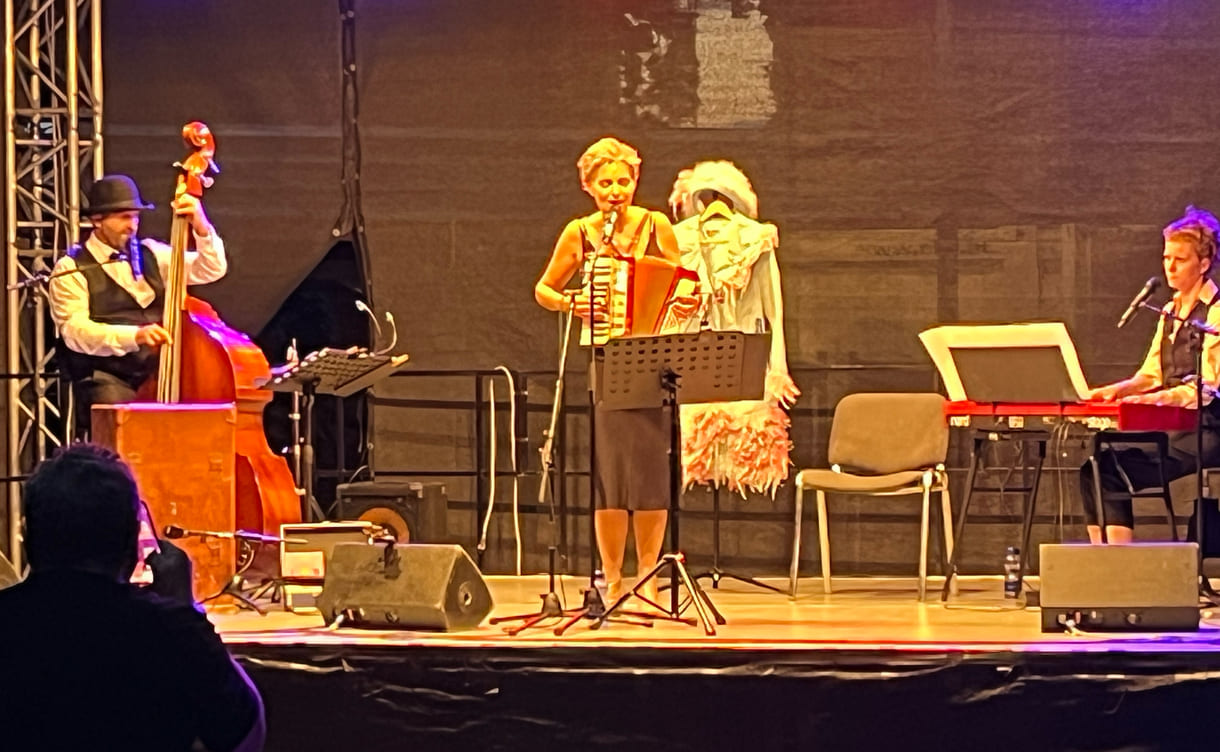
pixel 114 193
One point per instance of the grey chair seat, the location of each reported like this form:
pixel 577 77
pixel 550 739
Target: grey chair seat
pixel 841 482
pixel 898 443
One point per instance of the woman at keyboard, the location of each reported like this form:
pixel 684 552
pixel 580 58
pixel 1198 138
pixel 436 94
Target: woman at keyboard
pixel 1167 377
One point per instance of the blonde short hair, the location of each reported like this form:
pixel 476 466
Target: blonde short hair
pixel 603 152
pixel 1198 227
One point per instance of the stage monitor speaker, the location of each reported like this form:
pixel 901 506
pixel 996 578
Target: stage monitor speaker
pixel 413 512
pixel 8 574
pixel 1139 587
pixel 419 586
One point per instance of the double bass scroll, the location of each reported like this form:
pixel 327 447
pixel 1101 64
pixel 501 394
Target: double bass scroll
pixel 208 362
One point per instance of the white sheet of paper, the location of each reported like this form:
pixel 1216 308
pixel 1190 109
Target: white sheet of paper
pixel 938 341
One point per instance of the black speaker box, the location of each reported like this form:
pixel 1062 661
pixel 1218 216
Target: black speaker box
pixel 414 512
pixel 418 586
pixel 1139 587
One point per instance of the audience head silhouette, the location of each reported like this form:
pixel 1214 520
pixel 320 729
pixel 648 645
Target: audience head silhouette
pixel 82 513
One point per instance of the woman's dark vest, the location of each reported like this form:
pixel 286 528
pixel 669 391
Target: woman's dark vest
pixel 109 303
pixel 1178 355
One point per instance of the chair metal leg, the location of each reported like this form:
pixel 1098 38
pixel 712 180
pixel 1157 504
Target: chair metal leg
pixel 824 540
pixel 796 538
pixel 946 516
pixel 923 541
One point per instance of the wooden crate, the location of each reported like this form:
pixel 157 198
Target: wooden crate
pixel 183 460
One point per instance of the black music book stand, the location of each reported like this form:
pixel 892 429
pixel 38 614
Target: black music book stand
pixel 668 370
pixel 340 373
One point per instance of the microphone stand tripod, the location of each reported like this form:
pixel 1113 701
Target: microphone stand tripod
pixel 594 606
pixel 551 604
pixel 233 588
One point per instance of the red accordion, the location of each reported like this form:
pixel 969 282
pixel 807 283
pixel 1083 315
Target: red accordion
pixel 638 294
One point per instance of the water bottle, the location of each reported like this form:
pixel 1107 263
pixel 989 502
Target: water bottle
pixel 1012 572
pixel 599 584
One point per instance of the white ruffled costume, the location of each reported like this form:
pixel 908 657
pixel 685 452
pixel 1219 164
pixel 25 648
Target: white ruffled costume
pixel 738 445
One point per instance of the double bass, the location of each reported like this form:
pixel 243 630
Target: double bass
pixel 206 361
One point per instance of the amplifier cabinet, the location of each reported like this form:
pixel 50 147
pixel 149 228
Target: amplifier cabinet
pixel 1140 587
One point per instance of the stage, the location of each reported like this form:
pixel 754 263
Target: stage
pixel 865 667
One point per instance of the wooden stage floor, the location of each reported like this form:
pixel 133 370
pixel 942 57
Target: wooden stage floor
pixel 868 667
pixel 862 614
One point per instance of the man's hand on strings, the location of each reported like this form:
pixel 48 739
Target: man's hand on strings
pixel 152 335
pixel 190 207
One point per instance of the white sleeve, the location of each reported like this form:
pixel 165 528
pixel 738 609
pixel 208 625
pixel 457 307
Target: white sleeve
pixel 69 296
pixel 207 263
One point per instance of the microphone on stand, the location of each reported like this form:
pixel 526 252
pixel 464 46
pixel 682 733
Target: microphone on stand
pixel 608 227
pixel 43 277
pixel 174 532
pixel 1145 292
pixel 135 257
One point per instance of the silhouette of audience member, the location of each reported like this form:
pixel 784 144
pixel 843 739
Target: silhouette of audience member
pixel 89 660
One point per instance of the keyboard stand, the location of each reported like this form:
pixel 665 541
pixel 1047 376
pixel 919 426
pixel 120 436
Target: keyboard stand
pixel 980 440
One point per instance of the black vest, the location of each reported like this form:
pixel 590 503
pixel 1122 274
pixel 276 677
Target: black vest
pixel 109 303
pixel 1178 355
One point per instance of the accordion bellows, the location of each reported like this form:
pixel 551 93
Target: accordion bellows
pixel 639 294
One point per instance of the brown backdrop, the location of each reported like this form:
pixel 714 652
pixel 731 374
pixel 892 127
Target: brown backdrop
pixel 926 162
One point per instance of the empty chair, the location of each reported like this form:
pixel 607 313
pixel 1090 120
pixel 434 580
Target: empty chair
pixel 884 444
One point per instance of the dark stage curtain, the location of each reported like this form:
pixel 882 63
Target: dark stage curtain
pixel 924 161
pixel 265 76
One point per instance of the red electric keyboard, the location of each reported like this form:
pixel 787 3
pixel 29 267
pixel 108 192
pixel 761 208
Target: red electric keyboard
pixel 1121 416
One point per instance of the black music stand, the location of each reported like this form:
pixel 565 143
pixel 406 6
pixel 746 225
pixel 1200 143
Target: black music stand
pixel 668 370
pixel 340 373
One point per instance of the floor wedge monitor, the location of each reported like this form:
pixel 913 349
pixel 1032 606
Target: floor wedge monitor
pixel 1139 587
pixel 413 586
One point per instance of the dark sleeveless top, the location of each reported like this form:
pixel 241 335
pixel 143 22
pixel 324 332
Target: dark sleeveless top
pixel 648 225
pixel 1178 355
pixel 109 303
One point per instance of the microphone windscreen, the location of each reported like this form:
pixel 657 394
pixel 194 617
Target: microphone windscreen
pixel 173 531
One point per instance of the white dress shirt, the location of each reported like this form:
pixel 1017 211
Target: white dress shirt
pixel 70 293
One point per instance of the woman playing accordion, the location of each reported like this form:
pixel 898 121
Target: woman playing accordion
pixel 614 243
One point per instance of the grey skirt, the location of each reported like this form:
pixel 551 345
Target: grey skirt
pixel 632 458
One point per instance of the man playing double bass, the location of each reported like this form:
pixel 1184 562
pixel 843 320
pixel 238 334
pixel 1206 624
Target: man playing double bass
pixel 107 294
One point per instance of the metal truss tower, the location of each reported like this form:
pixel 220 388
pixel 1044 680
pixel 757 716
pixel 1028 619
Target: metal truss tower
pixel 52 138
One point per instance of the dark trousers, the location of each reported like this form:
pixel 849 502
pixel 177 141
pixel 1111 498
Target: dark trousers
pixel 1139 464
pixel 99 389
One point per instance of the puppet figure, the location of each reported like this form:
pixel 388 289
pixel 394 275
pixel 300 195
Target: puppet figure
pixel 740 445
